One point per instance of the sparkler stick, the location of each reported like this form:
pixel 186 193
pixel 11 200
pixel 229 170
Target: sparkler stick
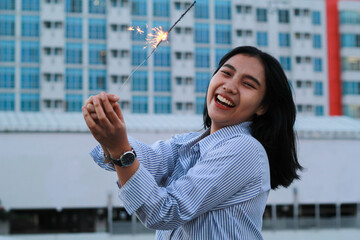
pixel 161 36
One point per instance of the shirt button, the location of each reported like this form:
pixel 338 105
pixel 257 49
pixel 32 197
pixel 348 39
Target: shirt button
pixel 196 148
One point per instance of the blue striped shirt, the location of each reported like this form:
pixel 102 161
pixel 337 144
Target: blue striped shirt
pixel 199 185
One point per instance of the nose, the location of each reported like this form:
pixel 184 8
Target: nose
pixel 229 88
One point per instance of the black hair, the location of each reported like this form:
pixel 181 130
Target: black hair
pixel 275 128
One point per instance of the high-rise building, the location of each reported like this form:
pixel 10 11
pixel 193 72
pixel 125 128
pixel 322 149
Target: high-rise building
pixel 54 54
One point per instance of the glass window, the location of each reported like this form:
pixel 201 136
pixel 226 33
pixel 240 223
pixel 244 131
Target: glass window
pixel 316 41
pixel 7 77
pixel 262 39
pixel 350 40
pixel 261 14
pixel 30 102
pixel 162 57
pixel 30 5
pixel 161 8
pixel 283 15
pixel 97 54
pixel 74 53
pixel 219 53
pixel 284 39
pixel 202 80
pixel 285 63
pixel 202 33
pixel 7 51
pixel 318 65
pixel 7 101
pixel 74 6
pixel 202 9
pixel 97 28
pixel 30 78
pixel 139 104
pixel 97 6
pixel 223 9
pixel 30 52
pixel 162 104
pixel 7 4
pixel 316 18
pixel 162 81
pixel 138 55
pixel 140 31
pixel 319 110
pixel 223 34
pixel 139 81
pixel 74 79
pixel 74 28
pixel 200 103
pixel 350 63
pixel 97 79
pixel 202 57
pixel 30 26
pixel 7 25
pixel 74 102
pixel 318 89
pixel 138 7
pixel 350 17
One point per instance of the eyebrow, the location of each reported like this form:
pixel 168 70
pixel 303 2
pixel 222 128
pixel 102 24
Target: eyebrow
pixel 246 75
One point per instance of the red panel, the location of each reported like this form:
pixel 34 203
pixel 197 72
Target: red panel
pixel 335 95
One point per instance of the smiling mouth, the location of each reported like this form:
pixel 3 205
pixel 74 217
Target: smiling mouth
pixel 224 101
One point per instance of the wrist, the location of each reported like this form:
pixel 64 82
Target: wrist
pixel 117 153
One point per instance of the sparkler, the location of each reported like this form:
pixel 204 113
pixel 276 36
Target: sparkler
pixel 155 39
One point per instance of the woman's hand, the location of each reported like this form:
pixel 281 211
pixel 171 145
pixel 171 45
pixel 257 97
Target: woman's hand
pixel 108 127
pixel 90 103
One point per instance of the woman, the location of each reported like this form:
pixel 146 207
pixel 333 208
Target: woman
pixel 213 184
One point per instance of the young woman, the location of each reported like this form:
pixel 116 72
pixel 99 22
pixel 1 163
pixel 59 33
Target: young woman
pixel 212 184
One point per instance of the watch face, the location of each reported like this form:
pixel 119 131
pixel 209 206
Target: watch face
pixel 127 159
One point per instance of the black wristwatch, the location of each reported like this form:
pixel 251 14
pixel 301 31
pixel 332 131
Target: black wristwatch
pixel 125 160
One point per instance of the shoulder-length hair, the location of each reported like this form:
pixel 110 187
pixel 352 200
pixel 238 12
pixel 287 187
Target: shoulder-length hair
pixel 275 128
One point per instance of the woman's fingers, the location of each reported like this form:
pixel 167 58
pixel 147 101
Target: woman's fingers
pixel 108 108
pixel 100 113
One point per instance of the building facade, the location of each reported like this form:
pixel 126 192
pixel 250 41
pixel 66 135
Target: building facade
pixel 54 54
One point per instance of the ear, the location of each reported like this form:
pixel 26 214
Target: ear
pixel 261 110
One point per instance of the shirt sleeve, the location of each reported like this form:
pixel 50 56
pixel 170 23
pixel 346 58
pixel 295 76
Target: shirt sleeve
pixel 227 169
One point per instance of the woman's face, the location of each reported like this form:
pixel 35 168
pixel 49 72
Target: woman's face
pixel 236 92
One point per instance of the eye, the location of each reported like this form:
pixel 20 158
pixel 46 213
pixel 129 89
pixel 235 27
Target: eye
pixel 249 85
pixel 226 73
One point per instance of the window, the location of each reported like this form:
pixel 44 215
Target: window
pixel 351 88
pixel 97 28
pixel 30 26
pixel 136 35
pixel 223 34
pixel 202 57
pixel 162 104
pixel 7 51
pixel 30 52
pixel 350 17
pixel 202 9
pixel 318 65
pixel 223 9
pixel 30 102
pixel 139 81
pixel 219 53
pixel 200 103
pixel 97 54
pixel 317 41
pixel 7 5
pixel 73 102
pixel 7 25
pixel 350 63
pixel 284 39
pixel 162 57
pixel 97 6
pixel 285 63
pixel 7 101
pixel 350 40
pixel 74 28
pixel 138 7
pixel 138 55
pixel 7 77
pixel 202 33
pixel 162 81
pixel 262 39
pixel 74 79
pixel 261 14
pixel 73 6
pixel 30 78
pixel 30 5
pixel 161 8
pixel 202 80
pixel 283 16
pixel 139 104
pixel 316 18
pixel 97 79
pixel 319 110
pixel 73 53
pixel 318 89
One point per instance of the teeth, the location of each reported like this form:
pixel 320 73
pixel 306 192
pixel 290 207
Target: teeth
pixel 224 100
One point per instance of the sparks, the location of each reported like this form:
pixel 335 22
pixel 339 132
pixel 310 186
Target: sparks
pixel 138 30
pixel 155 39
pixel 131 28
